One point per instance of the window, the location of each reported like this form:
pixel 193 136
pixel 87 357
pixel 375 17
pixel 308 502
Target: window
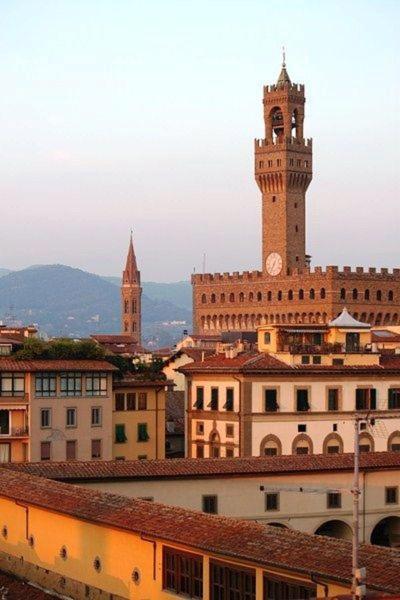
pixel 366 295
pixel 259 296
pixel 355 294
pixel 300 449
pixel 301 294
pixel 12 384
pixel 270 451
pixel 96 418
pixel 210 504
pixel 338 361
pixel 277 589
pixel 230 452
pixel 302 428
pixel 120 435
pixel 316 360
pixel 290 295
pixel 45 418
pixel 142 434
pixel 343 294
pixel 96 448
pixel 199 404
pixel 229 399
pixel 322 294
pixel 352 342
pixel 45 385
pixel 267 337
pixel 390 296
pixel 365 399
pixel 269 296
pixel 271 400
pixel 279 295
pixel 45 450
pixel 142 401
pixel 203 299
pixel 229 581
pixel 71 417
pixel 379 295
pixel 312 294
pixel 119 401
pixel 394 398
pixel 391 495
pixel 199 451
pixel 182 573
pixel 96 384
pixel 200 428
pixel 213 298
pixel 5 349
pixel 302 403
pixel 271 501
pixel 305 360
pixel 71 450
pixel 333 449
pixel 333 399
pixel 214 398
pixel 230 429
pixel 71 384
pixel 334 500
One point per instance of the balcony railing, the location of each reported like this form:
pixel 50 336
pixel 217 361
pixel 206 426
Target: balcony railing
pixel 14 431
pixel 324 348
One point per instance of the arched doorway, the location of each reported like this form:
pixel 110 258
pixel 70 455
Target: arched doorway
pixel 335 529
pixel 387 533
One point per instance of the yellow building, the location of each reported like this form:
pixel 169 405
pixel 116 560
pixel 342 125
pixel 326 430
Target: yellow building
pixel 138 420
pixel 86 544
pixel 297 395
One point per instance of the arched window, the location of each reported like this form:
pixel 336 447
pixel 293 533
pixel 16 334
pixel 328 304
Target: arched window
pixel 241 297
pixel 290 295
pixel 355 294
pixel 379 295
pixel 231 297
pixel 203 299
pixel 270 446
pixel 134 326
pixel 214 444
pixel 302 444
pixel 222 298
pixel 333 444
pixel 390 296
pixel 259 296
pixel 269 296
pixel 213 298
pixel 366 442
pixel 251 297
pixel 134 306
pixel 280 295
pixel 322 294
pixel 126 327
pixel 312 294
pixel 343 294
pixel 366 295
pixel 126 306
pixel 301 294
pixel 394 442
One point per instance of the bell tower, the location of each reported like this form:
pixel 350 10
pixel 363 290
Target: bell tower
pixel 131 296
pixel 283 172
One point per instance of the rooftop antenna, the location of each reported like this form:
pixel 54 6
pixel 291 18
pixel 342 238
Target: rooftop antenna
pixel 283 57
pixel 204 262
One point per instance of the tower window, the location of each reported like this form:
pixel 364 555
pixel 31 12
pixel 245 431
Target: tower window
pixel 213 298
pixel 203 299
pixel 269 296
pixel 295 204
pixel 299 163
pixel 134 326
pixel 134 306
pixel 390 296
pixel 273 198
pixel 322 294
pixel 297 259
pixel 270 163
pixel 222 298
pixel 279 162
pixel 279 295
pixel 306 163
pixel 241 297
pixel 259 296
pixel 232 297
pixel 379 295
pixel 312 294
pixel 290 295
pixel 296 228
pixel 261 164
pixel 301 294
pixel 343 294
pixel 126 306
pixel 291 162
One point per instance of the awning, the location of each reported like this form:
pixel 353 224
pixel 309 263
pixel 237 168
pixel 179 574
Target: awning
pixel 304 330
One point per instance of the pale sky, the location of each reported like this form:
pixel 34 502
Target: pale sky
pixel 121 113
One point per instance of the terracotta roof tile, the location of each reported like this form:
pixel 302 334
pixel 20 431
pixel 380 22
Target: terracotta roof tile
pixel 8 364
pixel 205 467
pixel 252 542
pixel 18 589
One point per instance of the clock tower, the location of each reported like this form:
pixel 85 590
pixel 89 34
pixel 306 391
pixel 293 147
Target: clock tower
pixel 283 172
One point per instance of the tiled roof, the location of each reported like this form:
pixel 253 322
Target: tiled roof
pixel 252 542
pixel 196 354
pixel 114 338
pixel 264 363
pixel 17 589
pixel 206 467
pixel 7 364
pixel 136 382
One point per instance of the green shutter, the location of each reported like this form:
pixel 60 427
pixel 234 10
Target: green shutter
pixel 143 436
pixel 120 436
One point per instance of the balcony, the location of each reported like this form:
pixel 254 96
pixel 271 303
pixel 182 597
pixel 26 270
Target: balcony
pixel 325 348
pixel 8 432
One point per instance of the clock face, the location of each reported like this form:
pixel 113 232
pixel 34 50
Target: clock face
pixel 273 263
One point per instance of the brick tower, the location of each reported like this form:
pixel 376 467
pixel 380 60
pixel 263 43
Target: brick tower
pixel 131 296
pixel 283 172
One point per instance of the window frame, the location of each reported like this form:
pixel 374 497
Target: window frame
pixel 96 383
pixel 333 505
pixel 99 409
pixel 144 436
pixel 51 378
pixel 269 496
pixel 223 576
pixel 266 390
pixel 388 490
pixel 73 411
pixel 199 402
pixel 13 377
pixel 213 500
pixel 172 563
pixel 43 411
pixel 73 390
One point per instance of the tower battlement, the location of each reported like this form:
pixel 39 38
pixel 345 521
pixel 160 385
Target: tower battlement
pixel 290 143
pixel 291 87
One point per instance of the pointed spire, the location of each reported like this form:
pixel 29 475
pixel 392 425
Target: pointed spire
pixel 284 75
pixel 131 273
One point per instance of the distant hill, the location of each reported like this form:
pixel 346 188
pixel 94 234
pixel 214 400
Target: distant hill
pixel 4 272
pixel 179 293
pixel 72 302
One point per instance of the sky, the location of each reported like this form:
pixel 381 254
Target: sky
pixel 120 114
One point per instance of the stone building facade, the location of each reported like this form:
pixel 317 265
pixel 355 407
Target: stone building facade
pixel 287 289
